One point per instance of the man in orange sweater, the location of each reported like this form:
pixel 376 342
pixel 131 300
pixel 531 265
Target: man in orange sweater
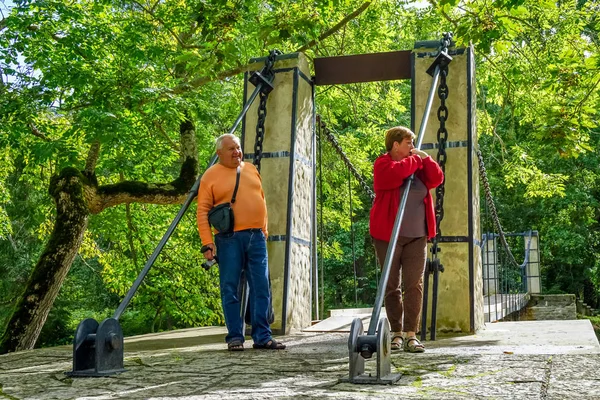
pixel 243 249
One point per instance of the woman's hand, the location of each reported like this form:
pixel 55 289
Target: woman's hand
pixel 418 152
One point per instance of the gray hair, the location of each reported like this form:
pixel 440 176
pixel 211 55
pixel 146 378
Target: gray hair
pixel 227 135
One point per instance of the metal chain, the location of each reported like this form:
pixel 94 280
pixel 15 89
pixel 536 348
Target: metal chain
pixel 442 138
pixel 345 159
pixel 446 41
pixel 492 206
pixel 262 110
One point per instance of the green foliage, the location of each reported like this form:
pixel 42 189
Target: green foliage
pixel 126 73
pixel 538 104
pixel 5 227
pixel 176 285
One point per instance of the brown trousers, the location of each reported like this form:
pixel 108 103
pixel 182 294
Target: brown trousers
pixel 409 259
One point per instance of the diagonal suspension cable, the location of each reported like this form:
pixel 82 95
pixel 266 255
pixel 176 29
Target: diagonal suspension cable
pixel 344 157
pixel 494 212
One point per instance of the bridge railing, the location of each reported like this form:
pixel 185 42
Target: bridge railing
pixel 506 285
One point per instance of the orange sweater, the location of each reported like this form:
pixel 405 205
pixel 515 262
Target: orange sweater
pixel 216 187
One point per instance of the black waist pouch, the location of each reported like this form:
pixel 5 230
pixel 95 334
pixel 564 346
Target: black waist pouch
pixel 221 218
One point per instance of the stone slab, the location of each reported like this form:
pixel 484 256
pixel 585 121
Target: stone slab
pixel 524 337
pixel 341 320
pixel 467 367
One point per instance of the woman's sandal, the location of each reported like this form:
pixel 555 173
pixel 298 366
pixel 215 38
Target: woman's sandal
pixel 270 345
pixel 412 345
pixel 235 345
pixel 397 342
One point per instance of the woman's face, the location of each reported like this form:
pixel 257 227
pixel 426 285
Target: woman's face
pixel 402 149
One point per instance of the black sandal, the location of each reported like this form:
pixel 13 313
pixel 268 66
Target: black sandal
pixel 235 345
pixel 270 345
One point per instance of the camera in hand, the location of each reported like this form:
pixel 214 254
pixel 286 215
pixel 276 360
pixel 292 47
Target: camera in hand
pixel 208 263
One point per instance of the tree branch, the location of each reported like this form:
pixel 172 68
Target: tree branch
pixel 100 197
pixel 160 20
pixel 336 27
pixel 510 84
pixel 441 9
pixel 164 134
pixel 160 128
pixel 87 265
pixel 130 227
pixel 521 20
pixel 587 95
pixel 36 132
pixel 92 158
pixel 106 196
pixel 206 79
pixel 243 68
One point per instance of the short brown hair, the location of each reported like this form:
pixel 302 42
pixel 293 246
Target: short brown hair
pixel 397 134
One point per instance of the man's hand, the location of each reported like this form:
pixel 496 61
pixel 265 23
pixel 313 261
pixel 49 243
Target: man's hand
pixel 420 153
pixel 208 251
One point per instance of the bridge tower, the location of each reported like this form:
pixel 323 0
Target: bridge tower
pixel 288 172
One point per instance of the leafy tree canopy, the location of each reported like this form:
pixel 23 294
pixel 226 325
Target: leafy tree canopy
pixel 122 76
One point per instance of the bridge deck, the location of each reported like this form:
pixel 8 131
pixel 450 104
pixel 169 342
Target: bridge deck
pixel 525 360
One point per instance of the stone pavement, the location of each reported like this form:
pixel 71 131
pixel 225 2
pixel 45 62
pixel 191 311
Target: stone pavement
pixel 507 360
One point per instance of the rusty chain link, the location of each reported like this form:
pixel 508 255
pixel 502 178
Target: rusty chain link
pixel 442 138
pixel 323 128
pixel 492 207
pixel 268 74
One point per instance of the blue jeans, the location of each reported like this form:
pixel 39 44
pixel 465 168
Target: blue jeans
pixel 247 250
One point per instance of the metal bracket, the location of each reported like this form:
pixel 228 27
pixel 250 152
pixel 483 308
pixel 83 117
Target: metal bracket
pixel 97 349
pixel 442 60
pixel 363 346
pixel 434 265
pixel 257 78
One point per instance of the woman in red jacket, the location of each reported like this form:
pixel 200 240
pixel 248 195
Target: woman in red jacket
pixel 390 173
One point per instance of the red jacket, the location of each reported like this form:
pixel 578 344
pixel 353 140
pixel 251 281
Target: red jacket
pixel 388 176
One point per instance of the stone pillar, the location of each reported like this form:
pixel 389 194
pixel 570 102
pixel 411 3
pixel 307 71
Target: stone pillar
pixel 460 301
pixel 534 283
pixel 287 172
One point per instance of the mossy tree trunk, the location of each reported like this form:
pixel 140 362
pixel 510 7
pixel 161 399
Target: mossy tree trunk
pixel 50 271
pixel 77 195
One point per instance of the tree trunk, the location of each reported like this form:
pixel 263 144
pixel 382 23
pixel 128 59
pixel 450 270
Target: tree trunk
pixel 50 271
pixel 77 195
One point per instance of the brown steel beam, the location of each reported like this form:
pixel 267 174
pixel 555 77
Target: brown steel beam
pixel 363 68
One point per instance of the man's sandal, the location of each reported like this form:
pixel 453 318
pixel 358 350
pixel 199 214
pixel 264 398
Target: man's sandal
pixel 412 345
pixel 397 342
pixel 235 345
pixel 270 345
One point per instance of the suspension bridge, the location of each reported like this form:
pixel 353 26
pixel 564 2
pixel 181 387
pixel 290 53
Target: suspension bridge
pixel 472 276
pixel 279 135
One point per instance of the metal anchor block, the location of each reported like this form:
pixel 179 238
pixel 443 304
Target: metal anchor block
pixel 97 349
pixel 361 347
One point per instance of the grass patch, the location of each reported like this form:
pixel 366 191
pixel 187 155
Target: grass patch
pixel 448 372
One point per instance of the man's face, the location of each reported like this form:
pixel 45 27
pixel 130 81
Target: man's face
pixel 230 153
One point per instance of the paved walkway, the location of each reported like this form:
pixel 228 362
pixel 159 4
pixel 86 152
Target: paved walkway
pixel 516 360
